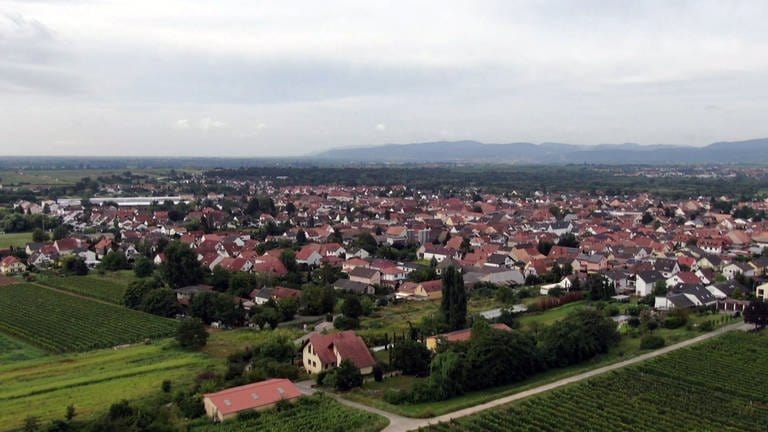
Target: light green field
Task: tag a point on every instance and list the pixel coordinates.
(89, 381)
(67, 177)
(109, 287)
(15, 239)
(12, 350)
(94, 380)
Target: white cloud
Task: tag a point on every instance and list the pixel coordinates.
(207, 123)
(181, 124)
(322, 73)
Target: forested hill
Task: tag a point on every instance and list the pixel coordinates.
(752, 151)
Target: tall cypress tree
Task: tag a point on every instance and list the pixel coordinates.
(454, 303)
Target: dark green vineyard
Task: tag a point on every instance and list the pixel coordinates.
(717, 386)
(58, 322)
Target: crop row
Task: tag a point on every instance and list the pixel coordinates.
(59, 322)
(716, 386)
(89, 286)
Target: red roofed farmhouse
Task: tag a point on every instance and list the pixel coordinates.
(324, 352)
(252, 397)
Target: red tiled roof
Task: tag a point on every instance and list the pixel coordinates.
(253, 396)
(466, 334)
(349, 345)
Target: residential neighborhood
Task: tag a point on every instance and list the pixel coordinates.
(368, 286)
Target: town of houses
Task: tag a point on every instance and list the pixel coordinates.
(702, 256)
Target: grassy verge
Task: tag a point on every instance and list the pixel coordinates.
(15, 239)
(90, 381)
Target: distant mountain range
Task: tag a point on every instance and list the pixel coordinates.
(752, 151)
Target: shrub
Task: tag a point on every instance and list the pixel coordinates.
(347, 376)
(378, 373)
(346, 323)
(651, 342)
(706, 326)
(675, 321)
(397, 397)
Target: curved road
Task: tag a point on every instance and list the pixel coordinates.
(399, 423)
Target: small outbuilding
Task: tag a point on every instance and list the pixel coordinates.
(258, 396)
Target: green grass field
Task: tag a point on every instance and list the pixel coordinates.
(15, 239)
(90, 381)
(316, 413)
(59, 322)
(110, 287)
(68, 177)
(551, 315)
(718, 385)
(12, 350)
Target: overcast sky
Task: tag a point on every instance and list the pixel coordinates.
(267, 78)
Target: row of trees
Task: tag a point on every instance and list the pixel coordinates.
(496, 357)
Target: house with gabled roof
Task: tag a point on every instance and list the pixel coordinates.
(426, 290)
(736, 268)
(326, 351)
(12, 265)
(645, 282)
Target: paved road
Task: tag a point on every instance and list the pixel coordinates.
(399, 423)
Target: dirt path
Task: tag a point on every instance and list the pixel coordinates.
(399, 423)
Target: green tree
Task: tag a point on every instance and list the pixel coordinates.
(502, 356)
(266, 314)
(181, 267)
(70, 413)
(219, 278)
(192, 334)
(31, 424)
(241, 284)
(288, 258)
(577, 337)
(135, 293)
(411, 357)
(756, 313)
(143, 267)
(60, 232)
(114, 260)
(317, 300)
(453, 306)
(74, 265)
(39, 236)
(160, 302)
(352, 307)
(366, 241)
(347, 376)
(448, 377)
